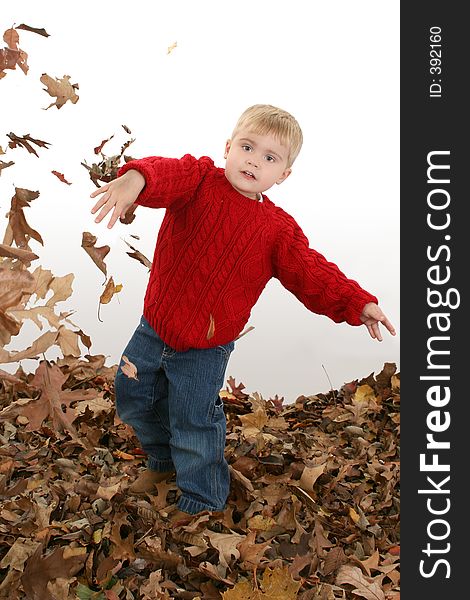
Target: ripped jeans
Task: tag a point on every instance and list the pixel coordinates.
(177, 414)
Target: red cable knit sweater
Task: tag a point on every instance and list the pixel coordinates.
(217, 249)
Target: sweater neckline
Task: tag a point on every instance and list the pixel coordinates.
(233, 194)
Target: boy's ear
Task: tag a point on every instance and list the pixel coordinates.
(284, 176)
(228, 143)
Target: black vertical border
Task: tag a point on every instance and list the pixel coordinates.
(434, 124)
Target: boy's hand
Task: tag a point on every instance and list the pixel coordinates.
(371, 316)
(119, 194)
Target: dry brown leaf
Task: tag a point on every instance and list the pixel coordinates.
(34, 313)
(171, 48)
(12, 55)
(97, 254)
(68, 342)
(5, 165)
(366, 587)
(61, 89)
(310, 475)
(61, 177)
(138, 255)
(26, 142)
(18, 230)
(276, 584)
(25, 256)
(226, 544)
(61, 288)
(40, 570)
(38, 347)
(39, 31)
(109, 291)
(129, 369)
(211, 330)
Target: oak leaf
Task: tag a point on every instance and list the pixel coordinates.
(61, 89)
(25, 256)
(61, 288)
(97, 254)
(129, 369)
(366, 587)
(40, 570)
(39, 346)
(276, 584)
(25, 141)
(18, 230)
(226, 544)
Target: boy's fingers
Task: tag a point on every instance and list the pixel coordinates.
(114, 218)
(100, 190)
(99, 204)
(388, 325)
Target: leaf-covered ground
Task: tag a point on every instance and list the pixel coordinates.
(313, 511)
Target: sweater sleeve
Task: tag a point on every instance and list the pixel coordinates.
(169, 182)
(317, 283)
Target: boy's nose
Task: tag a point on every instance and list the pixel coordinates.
(252, 162)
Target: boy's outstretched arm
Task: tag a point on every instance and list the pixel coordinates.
(118, 195)
(371, 316)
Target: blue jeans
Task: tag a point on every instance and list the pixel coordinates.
(177, 414)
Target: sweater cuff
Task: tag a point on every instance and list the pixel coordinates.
(356, 306)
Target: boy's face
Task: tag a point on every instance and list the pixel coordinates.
(255, 162)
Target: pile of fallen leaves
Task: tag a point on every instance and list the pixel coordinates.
(313, 511)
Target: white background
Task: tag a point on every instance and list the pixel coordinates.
(333, 65)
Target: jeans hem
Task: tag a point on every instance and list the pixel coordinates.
(193, 506)
(162, 466)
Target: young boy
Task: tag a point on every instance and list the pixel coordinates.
(220, 242)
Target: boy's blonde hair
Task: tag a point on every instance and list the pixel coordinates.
(267, 119)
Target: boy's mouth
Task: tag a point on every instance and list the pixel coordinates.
(248, 174)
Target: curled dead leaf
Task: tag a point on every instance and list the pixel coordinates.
(61, 89)
(128, 368)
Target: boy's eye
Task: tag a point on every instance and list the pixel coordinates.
(270, 158)
(246, 147)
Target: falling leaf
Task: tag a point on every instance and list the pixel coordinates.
(171, 48)
(138, 256)
(126, 129)
(61, 177)
(12, 55)
(25, 256)
(38, 347)
(99, 148)
(18, 230)
(108, 293)
(97, 254)
(5, 165)
(129, 369)
(61, 288)
(211, 330)
(68, 341)
(39, 31)
(61, 89)
(26, 142)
